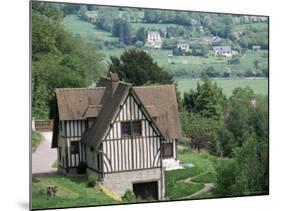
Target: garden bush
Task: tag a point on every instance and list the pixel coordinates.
(92, 180)
(129, 196)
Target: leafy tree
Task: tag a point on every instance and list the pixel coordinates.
(200, 50)
(226, 142)
(121, 29)
(208, 99)
(240, 108)
(234, 60)
(248, 172)
(176, 51)
(211, 72)
(70, 9)
(145, 70)
(226, 178)
(58, 59)
(141, 34)
(105, 18)
(257, 64)
(201, 130)
(83, 12)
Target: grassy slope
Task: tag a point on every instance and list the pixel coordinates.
(260, 86)
(244, 27)
(86, 30)
(202, 172)
(72, 191)
(194, 63)
(36, 140)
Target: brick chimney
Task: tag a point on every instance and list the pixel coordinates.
(114, 80)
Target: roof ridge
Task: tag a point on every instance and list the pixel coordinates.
(125, 83)
(79, 89)
(154, 86)
(94, 106)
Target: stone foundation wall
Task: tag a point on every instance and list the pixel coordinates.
(122, 181)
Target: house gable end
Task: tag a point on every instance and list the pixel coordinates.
(125, 153)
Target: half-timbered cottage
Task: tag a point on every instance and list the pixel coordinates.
(126, 134)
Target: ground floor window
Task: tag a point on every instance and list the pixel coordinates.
(167, 150)
(74, 147)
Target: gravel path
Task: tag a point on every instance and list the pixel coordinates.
(44, 156)
(207, 187)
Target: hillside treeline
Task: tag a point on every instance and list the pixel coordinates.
(59, 59)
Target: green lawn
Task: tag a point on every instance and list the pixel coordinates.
(72, 191)
(36, 140)
(178, 186)
(260, 86)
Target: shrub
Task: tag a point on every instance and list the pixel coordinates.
(92, 179)
(234, 60)
(82, 168)
(129, 196)
(139, 44)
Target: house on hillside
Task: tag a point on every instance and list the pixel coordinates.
(127, 135)
(183, 45)
(256, 47)
(216, 40)
(154, 40)
(222, 51)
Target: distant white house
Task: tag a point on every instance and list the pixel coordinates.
(183, 45)
(216, 40)
(154, 39)
(222, 51)
(256, 47)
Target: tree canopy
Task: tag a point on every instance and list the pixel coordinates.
(208, 99)
(137, 67)
(59, 59)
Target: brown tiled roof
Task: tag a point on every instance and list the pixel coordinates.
(161, 103)
(103, 102)
(92, 111)
(74, 102)
(94, 135)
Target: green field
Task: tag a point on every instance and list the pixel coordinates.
(260, 86)
(72, 191)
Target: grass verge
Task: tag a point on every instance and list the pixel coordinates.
(36, 140)
(72, 192)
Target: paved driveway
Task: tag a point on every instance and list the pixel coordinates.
(44, 156)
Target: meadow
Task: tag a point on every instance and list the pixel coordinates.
(86, 30)
(260, 85)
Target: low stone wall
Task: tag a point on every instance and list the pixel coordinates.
(43, 125)
(122, 181)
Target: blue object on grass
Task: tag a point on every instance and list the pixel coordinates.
(187, 165)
